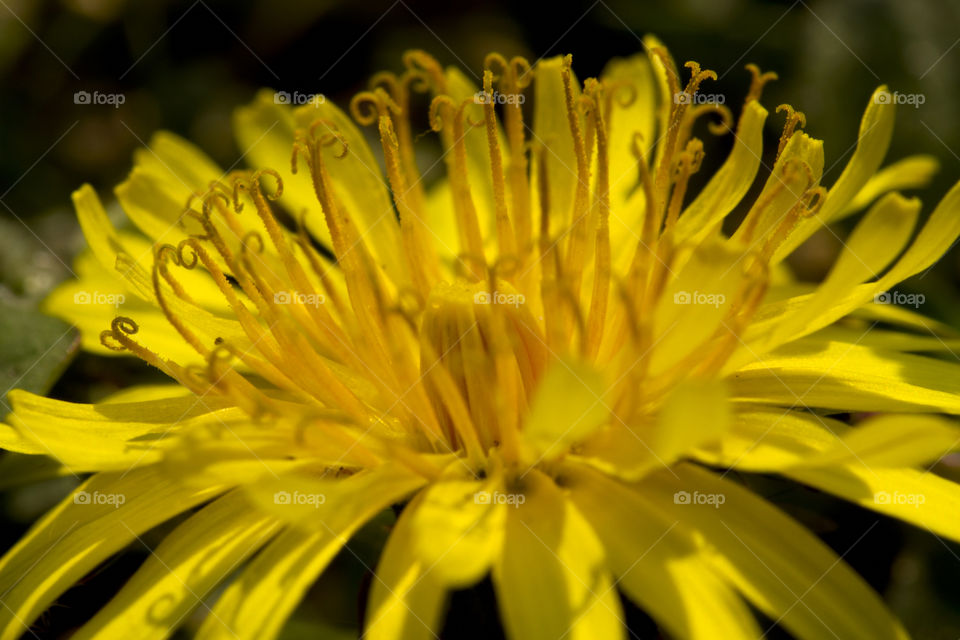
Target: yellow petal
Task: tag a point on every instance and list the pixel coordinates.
(567, 406)
(406, 597)
(920, 498)
(791, 443)
(876, 129)
(730, 183)
(551, 580)
(848, 377)
(767, 440)
(639, 116)
(913, 172)
(695, 303)
(178, 161)
(694, 413)
(936, 237)
(655, 564)
(873, 245)
(258, 603)
(87, 437)
(457, 527)
(778, 565)
(98, 519)
(892, 441)
(182, 571)
(551, 128)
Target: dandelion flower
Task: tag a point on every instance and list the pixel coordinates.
(547, 360)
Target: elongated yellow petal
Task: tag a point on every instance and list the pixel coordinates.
(730, 183)
(551, 580)
(876, 241)
(893, 441)
(633, 77)
(913, 172)
(567, 407)
(182, 571)
(98, 519)
(785, 571)
(656, 565)
(264, 596)
(876, 129)
(695, 303)
(552, 130)
(406, 597)
(457, 527)
(848, 377)
(87, 437)
(764, 439)
(791, 444)
(920, 498)
(694, 413)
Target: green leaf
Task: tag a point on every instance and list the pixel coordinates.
(35, 349)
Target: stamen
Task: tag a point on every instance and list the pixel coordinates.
(505, 233)
(515, 76)
(418, 249)
(117, 338)
(576, 245)
(794, 118)
(162, 254)
(602, 267)
(687, 164)
(452, 135)
(757, 82)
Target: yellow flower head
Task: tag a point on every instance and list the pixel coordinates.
(549, 355)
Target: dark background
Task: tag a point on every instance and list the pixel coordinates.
(184, 66)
